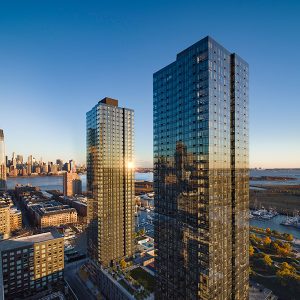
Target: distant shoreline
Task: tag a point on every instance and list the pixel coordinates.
(272, 178)
(57, 175)
(34, 176)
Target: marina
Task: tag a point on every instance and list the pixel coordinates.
(275, 223)
(263, 214)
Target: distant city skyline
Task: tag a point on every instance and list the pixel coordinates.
(58, 59)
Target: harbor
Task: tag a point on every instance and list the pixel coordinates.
(275, 223)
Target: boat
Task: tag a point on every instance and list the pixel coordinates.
(263, 214)
(292, 221)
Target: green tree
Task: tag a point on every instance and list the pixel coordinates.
(123, 263)
(268, 260)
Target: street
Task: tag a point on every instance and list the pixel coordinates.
(80, 289)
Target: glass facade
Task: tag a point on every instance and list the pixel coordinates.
(110, 181)
(2, 162)
(201, 174)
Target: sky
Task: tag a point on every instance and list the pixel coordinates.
(59, 58)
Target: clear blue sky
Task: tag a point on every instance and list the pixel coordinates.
(58, 58)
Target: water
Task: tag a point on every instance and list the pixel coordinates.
(293, 173)
(274, 224)
(56, 182)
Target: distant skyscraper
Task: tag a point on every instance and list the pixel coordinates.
(67, 167)
(14, 160)
(72, 165)
(19, 159)
(201, 179)
(60, 163)
(2, 162)
(110, 181)
(30, 160)
(29, 164)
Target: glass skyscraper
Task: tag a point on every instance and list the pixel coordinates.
(201, 179)
(2, 162)
(110, 182)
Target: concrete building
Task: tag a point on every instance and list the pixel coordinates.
(4, 220)
(110, 181)
(15, 219)
(78, 202)
(51, 213)
(10, 216)
(2, 162)
(201, 180)
(29, 264)
(72, 184)
(143, 187)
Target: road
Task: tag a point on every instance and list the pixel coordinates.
(80, 289)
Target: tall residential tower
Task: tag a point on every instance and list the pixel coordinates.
(110, 181)
(201, 178)
(2, 162)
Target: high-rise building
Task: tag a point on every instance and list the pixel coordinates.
(201, 181)
(14, 160)
(19, 159)
(72, 184)
(72, 165)
(60, 163)
(2, 162)
(110, 181)
(28, 264)
(67, 167)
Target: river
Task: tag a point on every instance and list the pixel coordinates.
(274, 224)
(56, 182)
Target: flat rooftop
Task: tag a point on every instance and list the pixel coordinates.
(28, 240)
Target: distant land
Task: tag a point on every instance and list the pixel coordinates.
(271, 178)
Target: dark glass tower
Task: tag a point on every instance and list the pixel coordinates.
(2, 162)
(201, 180)
(110, 181)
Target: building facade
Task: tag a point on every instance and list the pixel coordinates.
(4, 221)
(110, 181)
(30, 263)
(201, 180)
(10, 216)
(15, 219)
(2, 162)
(72, 184)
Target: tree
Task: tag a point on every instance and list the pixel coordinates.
(268, 230)
(123, 263)
(286, 270)
(290, 237)
(268, 260)
(267, 241)
(251, 250)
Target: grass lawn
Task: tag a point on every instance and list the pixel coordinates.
(144, 278)
(126, 286)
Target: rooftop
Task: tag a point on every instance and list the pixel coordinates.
(28, 240)
(109, 101)
(259, 292)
